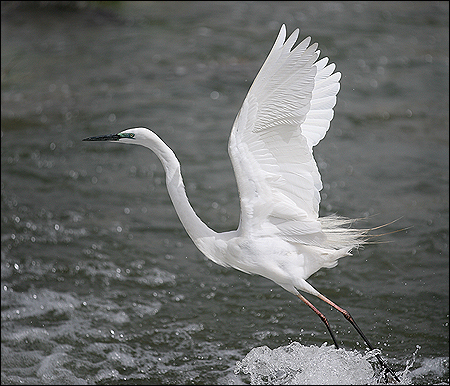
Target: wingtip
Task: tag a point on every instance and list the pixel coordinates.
(282, 33)
(294, 35)
(306, 41)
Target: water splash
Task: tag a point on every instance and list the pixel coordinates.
(296, 364)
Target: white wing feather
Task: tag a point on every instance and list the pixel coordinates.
(286, 112)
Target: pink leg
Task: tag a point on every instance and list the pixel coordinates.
(321, 316)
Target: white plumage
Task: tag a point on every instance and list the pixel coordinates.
(286, 112)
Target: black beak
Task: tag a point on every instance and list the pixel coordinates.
(110, 137)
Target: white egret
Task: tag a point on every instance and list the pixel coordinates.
(286, 112)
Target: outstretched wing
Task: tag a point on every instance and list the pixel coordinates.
(286, 112)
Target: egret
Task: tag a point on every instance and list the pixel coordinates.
(280, 236)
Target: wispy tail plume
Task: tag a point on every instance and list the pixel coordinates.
(340, 234)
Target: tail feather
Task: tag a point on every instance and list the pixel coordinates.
(340, 235)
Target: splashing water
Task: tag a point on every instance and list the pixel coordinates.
(296, 364)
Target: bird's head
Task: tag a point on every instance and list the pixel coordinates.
(135, 136)
(144, 137)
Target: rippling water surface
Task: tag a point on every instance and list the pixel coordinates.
(101, 284)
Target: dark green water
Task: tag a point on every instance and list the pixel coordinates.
(100, 282)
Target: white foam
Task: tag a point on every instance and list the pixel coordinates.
(296, 364)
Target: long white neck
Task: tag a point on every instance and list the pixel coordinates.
(194, 226)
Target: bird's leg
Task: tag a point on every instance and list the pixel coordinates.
(353, 323)
(321, 316)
